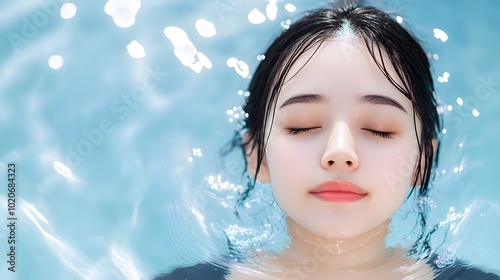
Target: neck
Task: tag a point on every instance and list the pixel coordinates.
(310, 250)
(314, 257)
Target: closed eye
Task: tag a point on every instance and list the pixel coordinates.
(297, 131)
(381, 134)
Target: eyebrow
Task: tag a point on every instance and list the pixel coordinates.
(368, 99)
(381, 100)
(304, 98)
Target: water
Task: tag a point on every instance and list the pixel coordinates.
(114, 146)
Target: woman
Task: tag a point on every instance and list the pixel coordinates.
(342, 123)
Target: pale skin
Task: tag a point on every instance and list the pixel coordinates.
(338, 118)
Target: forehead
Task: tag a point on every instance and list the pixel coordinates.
(341, 64)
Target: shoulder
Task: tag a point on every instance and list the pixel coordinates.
(461, 270)
(205, 271)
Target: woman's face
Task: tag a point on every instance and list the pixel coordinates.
(342, 146)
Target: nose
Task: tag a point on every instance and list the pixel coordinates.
(340, 151)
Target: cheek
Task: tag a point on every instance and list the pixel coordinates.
(287, 162)
(285, 155)
(281, 159)
(393, 165)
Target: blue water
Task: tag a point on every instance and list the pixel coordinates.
(114, 149)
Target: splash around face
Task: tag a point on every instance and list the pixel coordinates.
(339, 122)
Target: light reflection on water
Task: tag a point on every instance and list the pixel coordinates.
(113, 123)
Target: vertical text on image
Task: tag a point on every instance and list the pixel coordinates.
(11, 217)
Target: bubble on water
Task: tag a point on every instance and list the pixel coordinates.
(56, 62)
(424, 204)
(205, 28)
(271, 10)
(239, 66)
(244, 93)
(454, 220)
(286, 24)
(262, 223)
(136, 50)
(446, 258)
(197, 152)
(440, 34)
(68, 10)
(290, 8)
(223, 188)
(256, 17)
(444, 77)
(440, 109)
(123, 12)
(185, 50)
(236, 113)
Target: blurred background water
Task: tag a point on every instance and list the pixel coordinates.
(114, 111)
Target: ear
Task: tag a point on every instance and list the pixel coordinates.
(252, 160)
(422, 162)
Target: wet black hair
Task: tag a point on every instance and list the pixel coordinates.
(381, 34)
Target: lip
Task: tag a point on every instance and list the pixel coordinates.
(338, 191)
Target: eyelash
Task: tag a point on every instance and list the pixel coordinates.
(381, 134)
(297, 131)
